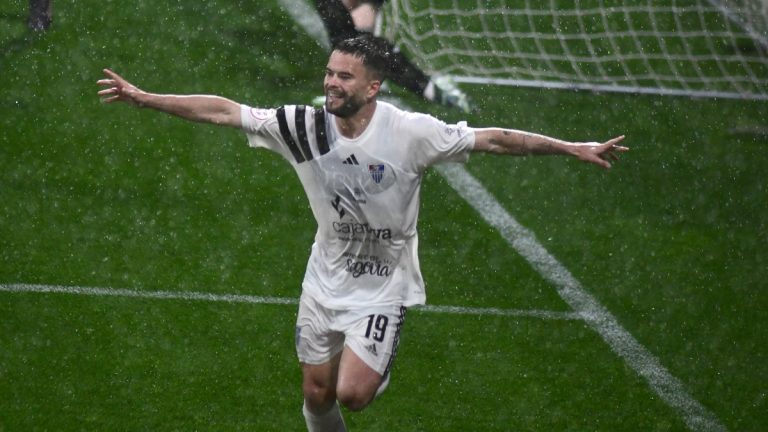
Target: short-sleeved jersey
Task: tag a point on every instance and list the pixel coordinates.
(364, 194)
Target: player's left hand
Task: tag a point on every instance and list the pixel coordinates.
(600, 154)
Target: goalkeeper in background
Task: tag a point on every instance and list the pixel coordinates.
(344, 19)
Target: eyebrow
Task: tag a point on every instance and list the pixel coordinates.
(339, 72)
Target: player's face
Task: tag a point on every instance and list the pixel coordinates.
(348, 85)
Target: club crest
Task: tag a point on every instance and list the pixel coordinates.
(377, 172)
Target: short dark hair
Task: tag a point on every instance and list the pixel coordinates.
(374, 51)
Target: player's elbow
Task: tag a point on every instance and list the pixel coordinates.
(496, 147)
(223, 112)
(492, 140)
(224, 118)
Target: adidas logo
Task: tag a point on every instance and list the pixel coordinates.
(351, 160)
(372, 349)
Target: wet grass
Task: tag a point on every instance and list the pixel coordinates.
(672, 241)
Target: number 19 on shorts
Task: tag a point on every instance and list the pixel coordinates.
(377, 327)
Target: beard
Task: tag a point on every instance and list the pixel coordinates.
(350, 105)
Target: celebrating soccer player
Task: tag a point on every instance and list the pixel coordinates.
(361, 162)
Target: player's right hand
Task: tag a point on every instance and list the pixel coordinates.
(118, 89)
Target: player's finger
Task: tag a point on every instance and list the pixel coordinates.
(599, 159)
(113, 75)
(607, 157)
(110, 99)
(109, 91)
(613, 144)
(619, 148)
(108, 82)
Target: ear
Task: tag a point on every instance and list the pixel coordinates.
(373, 88)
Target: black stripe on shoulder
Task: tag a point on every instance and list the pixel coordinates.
(320, 134)
(301, 131)
(287, 137)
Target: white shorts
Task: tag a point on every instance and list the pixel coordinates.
(372, 334)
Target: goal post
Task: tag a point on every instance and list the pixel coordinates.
(704, 48)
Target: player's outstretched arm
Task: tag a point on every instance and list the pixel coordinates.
(514, 142)
(200, 108)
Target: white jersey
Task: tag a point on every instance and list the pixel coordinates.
(364, 194)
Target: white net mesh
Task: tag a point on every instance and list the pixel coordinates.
(694, 47)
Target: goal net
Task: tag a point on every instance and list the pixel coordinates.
(678, 47)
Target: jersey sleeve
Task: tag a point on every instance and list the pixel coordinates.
(297, 132)
(440, 142)
(262, 129)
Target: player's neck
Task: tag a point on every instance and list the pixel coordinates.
(354, 126)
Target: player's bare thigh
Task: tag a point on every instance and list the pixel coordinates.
(357, 382)
(346, 378)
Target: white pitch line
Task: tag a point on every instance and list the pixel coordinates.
(169, 295)
(521, 313)
(669, 388)
(267, 300)
(308, 19)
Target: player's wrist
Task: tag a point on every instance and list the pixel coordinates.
(569, 148)
(141, 98)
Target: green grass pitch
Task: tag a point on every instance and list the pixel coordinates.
(672, 241)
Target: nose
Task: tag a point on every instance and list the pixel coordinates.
(330, 81)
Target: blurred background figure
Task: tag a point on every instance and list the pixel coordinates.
(344, 19)
(40, 14)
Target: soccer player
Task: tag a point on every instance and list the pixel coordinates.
(344, 19)
(361, 162)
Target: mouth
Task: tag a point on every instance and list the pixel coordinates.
(332, 96)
